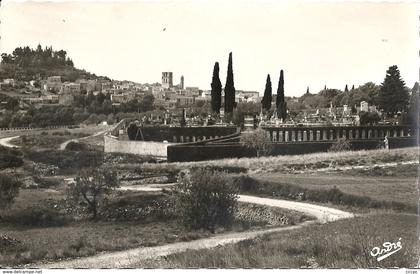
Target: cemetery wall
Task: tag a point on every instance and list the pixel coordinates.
(214, 150)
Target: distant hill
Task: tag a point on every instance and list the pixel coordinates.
(27, 64)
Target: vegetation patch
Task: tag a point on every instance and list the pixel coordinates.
(67, 160)
(342, 244)
(10, 157)
(333, 195)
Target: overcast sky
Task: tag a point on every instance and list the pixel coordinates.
(316, 44)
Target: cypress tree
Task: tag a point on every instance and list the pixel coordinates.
(393, 95)
(346, 89)
(266, 101)
(229, 88)
(307, 90)
(216, 90)
(280, 103)
(352, 88)
(325, 87)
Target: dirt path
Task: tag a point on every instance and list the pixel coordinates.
(129, 257)
(64, 144)
(5, 141)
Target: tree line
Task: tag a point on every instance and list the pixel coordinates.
(392, 96)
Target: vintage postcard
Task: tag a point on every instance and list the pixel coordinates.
(209, 134)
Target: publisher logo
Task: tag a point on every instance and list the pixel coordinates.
(386, 250)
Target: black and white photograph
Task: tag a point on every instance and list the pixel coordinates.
(199, 134)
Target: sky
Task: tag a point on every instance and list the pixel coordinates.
(315, 43)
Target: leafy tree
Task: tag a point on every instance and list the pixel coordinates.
(393, 96)
(205, 199)
(216, 90)
(91, 186)
(280, 102)
(9, 190)
(258, 141)
(229, 88)
(412, 115)
(266, 100)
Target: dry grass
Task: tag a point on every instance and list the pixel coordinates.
(397, 189)
(342, 244)
(301, 162)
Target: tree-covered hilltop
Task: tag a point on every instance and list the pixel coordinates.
(27, 64)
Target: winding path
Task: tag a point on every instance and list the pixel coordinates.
(64, 144)
(130, 257)
(5, 141)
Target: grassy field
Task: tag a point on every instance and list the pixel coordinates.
(396, 188)
(46, 231)
(342, 244)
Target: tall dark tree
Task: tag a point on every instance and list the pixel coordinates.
(346, 89)
(216, 90)
(229, 88)
(393, 95)
(325, 87)
(352, 88)
(266, 100)
(307, 90)
(280, 102)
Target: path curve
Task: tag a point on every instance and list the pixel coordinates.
(5, 141)
(130, 257)
(64, 144)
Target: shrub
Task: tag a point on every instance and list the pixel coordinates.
(66, 159)
(10, 158)
(39, 216)
(257, 140)
(205, 199)
(246, 184)
(340, 145)
(9, 190)
(76, 146)
(228, 169)
(46, 182)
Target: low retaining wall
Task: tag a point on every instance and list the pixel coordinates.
(156, 149)
(211, 151)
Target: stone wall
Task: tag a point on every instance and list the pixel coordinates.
(157, 149)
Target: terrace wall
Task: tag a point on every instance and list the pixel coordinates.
(156, 149)
(220, 150)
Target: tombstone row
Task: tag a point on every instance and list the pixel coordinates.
(296, 135)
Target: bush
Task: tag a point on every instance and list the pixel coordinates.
(340, 145)
(10, 158)
(66, 159)
(246, 184)
(205, 199)
(38, 216)
(9, 190)
(228, 169)
(257, 140)
(76, 146)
